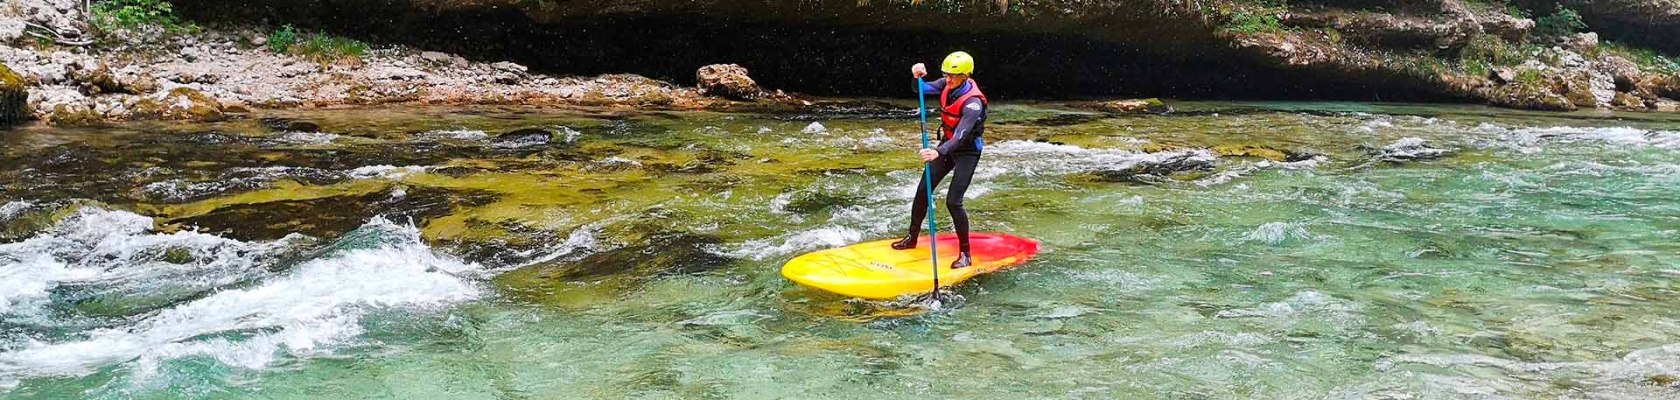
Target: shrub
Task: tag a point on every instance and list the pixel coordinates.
(282, 39)
(111, 15)
(1561, 23)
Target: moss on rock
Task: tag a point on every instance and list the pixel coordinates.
(14, 97)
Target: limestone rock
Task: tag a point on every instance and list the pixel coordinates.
(183, 104)
(509, 67)
(1629, 101)
(1150, 105)
(1624, 72)
(1661, 85)
(728, 80)
(1582, 42)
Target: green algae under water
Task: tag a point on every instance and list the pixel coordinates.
(1383, 251)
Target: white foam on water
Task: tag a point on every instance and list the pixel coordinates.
(825, 237)
(583, 238)
(310, 308)
(385, 171)
(1528, 139)
(616, 161)
(456, 134)
(30, 269)
(1115, 278)
(12, 208)
(726, 318)
(1274, 233)
(571, 134)
(814, 128)
(1037, 158)
(1627, 377)
(309, 137)
(1302, 304)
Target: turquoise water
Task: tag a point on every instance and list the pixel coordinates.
(1388, 251)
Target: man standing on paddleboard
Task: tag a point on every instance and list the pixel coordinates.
(962, 117)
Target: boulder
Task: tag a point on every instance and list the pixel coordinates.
(289, 125)
(1582, 42)
(1150, 105)
(729, 81)
(1528, 97)
(74, 114)
(1507, 27)
(1625, 73)
(1660, 85)
(14, 97)
(509, 67)
(524, 137)
(1629, 101)
(183, 104)
(11, 30)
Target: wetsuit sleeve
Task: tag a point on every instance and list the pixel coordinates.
(973, 111)
(934, 86)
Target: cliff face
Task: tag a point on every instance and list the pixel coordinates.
(1646, 23)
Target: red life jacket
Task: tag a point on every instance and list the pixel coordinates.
(950, 112)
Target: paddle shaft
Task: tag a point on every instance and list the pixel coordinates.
(927, 176)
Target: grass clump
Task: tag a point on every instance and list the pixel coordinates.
(1492, 51)
(1529, 77)
(320, 47)
(1252, 21)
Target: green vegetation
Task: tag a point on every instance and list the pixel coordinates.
(1647, 59)
(1559, 24)
(320, 47)
(1254, 21)
(111, 15)
(282, 39)
(1477, 68)
(1530, 77)
(1487, 51)
(1516, 12)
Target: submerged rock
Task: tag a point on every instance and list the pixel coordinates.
(666, 252)
(14, 97)
(1407, 149)
(1151, 105)
(1244, 150)
(289, 125)
(185, 104)
(329, 216)
(1154, 171)
(728, 80)
(524, 137)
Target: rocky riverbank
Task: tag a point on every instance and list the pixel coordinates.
(58, 70)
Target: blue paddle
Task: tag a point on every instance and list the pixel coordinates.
(927, 176)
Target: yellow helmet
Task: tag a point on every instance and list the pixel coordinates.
(958, 63)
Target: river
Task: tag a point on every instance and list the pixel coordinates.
(1227, 250)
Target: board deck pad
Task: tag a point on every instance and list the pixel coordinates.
(874, 270)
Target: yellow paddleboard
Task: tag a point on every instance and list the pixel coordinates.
(874, 270)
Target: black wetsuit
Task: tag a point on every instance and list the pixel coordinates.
(959, 153)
